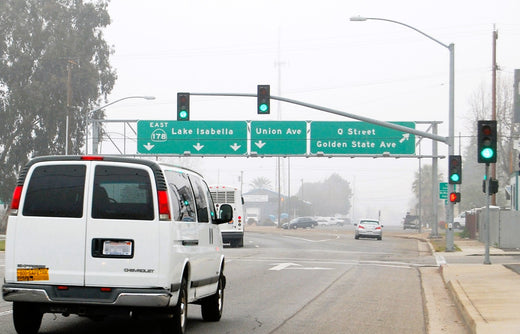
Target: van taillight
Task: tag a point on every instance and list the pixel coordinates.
(15, 202)
(164, 206)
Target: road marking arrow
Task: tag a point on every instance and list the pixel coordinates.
(260, 144)
(235, 146)
(198, 147)
(406, 136)
(148, 146)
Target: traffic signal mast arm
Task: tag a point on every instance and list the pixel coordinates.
(340, 113)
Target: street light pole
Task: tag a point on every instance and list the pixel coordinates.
(95, 123)
(451, 123)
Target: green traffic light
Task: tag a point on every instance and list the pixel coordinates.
(263, 107)
(455, 177)
(487, 153)
(183, 114)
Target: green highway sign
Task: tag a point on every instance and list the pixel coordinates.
(192, 137)
(443, 190)
(279, 137)
(360, 138)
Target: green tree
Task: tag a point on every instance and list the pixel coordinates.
(41, 42)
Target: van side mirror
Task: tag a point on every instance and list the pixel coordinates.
(225, 214)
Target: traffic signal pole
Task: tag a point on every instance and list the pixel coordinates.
(487, 224)
(340, 113)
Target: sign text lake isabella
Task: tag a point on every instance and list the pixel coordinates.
(194, 137)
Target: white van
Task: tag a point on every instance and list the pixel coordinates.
(232, 232)
(97, 235)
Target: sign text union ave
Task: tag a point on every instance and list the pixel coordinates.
(279, 137)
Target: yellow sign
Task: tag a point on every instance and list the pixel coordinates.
(35, 274)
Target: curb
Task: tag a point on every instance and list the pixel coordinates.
(457, 294)
(461, 300)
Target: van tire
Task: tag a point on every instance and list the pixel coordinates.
(27, 318)
(176, 322)
(212, 306)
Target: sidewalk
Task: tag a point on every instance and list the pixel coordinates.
(488, 296)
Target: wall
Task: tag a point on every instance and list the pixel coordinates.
(504, 228)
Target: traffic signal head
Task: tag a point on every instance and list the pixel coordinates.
(263, 97)
(487, 141)
(493, 186)
(183, 106)
(455, 169)
(454, 197)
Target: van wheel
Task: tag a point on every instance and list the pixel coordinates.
(27, 318)
(176, 322)
(212, 306)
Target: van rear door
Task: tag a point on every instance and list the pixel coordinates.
(122, 236)
(50, 229)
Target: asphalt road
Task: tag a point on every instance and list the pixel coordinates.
(304, 281)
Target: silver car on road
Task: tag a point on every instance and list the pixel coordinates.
(368, 228)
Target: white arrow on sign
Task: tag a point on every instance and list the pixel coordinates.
(295, 266)
(260, 144)
(406, 136)
(235, 146)
(148, 146)
(198, 147)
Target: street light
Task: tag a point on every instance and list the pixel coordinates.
(451, 120)
(89, 120)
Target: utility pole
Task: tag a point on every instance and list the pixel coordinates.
(494, 103)
(70, 62)
(69, 98)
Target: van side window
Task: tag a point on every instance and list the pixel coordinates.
(122, 193)
(201, 195)
(56, 191)
(211, 204)
(183, 203)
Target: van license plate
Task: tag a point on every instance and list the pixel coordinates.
(33, 274)
(117, 248)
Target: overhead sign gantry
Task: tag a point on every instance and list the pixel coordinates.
(272, 138)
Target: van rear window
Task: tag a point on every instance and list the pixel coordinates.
(56, 191)
(122, 193)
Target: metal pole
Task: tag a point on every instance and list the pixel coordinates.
(95, 124)
(494, 102)
(451, 147)
(435, 186)
(487, 224)
(340, 113)
(69, 98)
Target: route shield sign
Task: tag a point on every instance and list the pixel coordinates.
(193, 137)
(360, 138)
(279, 137)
